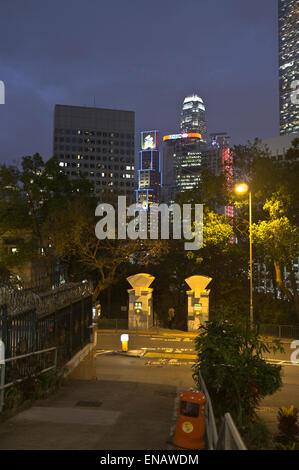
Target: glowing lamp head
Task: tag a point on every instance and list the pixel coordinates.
(241, 188)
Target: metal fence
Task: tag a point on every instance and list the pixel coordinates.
(229, 436)
(113, 323)
(67, 327)
(210, 427)
(280, 331)
(19, 368)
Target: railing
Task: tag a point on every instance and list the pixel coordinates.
(210, 428)
(18, 301)
(25, 366)
(229, 436)
(113, 323)
(280, 331)
(66, 328)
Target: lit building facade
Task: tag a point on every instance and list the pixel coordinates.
(288, 16)
(219, 159)
(99, 144)
(193, 116)
(182, 163)
(149, 172)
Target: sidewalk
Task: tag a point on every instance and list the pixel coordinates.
(109, 403)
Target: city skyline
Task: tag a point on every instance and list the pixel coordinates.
(116, 70)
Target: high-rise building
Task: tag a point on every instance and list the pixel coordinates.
(278, 147)
(219, 159)
(99, 144)
(182, 163)
(193, 116)
(149, 172)
(288, 15)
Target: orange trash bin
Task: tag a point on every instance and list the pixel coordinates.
(190, 427)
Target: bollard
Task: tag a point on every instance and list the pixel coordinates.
(124, 338)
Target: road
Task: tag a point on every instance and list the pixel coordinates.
(174, 345)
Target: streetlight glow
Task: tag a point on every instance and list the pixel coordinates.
(241, 188)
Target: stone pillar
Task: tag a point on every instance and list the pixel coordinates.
(140, 316)
(198, 301)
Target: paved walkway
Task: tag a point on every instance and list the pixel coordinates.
(110, 402)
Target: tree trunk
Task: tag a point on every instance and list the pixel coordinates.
(109, 300)
(294, 289)
(280, 282)
(96, 291)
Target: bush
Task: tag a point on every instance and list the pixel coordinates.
(256, 435)
(237, 377)
(286, 438)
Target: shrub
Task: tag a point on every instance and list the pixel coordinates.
(286, 438)
(236, 375)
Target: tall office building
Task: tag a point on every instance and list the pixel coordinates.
(278, 147)
(182, 163)
(288, 15)
(193, 116)
(149, 172)
(219, 159)
(99, 144)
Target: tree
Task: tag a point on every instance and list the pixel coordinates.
(275, 196)
(27, 194)
(277, 239)
(71, 228)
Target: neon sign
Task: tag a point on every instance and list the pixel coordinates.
(182, 136)
(149, 140)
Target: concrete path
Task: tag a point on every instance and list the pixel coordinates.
(110, 402)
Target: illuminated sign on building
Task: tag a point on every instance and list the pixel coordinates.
(149, 140)
(182, 136)
(197, 307)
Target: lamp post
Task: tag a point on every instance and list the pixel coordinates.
(243, 188)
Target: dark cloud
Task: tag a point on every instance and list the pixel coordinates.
(139, 55)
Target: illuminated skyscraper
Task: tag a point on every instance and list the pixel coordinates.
(220, 160)
(193, 116)
(288, 65)
(182, 163)
(149, 173)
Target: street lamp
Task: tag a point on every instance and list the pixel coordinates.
(243, 188)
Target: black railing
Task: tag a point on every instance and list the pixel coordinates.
(280, 331)
(113, 323)
(67, 328)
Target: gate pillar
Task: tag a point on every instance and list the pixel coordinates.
(140, 316)
(198, 301)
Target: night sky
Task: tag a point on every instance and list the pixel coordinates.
(137, 55)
